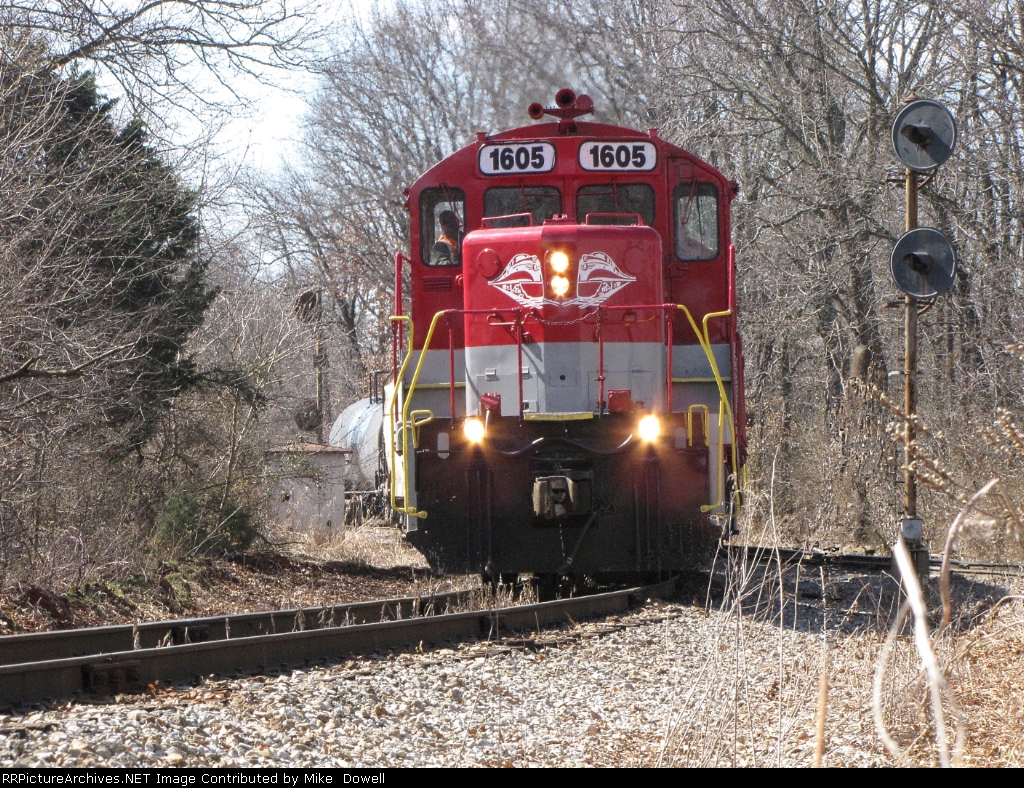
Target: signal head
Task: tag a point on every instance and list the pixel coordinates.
(923, 264)
(923, 135)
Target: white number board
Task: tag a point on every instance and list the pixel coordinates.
(516, 158)
(614, 156)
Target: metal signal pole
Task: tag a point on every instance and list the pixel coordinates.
(923, 265)
(910, 367)
(912, 530)
(318, 366)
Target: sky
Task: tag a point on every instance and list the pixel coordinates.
(262, 130)
(270, 134)
(267, 134)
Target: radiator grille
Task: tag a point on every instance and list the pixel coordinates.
(437, 284)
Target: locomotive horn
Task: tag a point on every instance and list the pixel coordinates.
(535, 110)
(565, 98)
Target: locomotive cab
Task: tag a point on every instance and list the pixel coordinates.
(567, 389)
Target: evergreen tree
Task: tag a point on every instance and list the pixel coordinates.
(101, 268)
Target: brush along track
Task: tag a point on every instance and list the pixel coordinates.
(873, 563)
(353, 630)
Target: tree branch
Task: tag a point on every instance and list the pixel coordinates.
(26, 370)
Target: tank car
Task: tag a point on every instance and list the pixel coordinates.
(567, 391)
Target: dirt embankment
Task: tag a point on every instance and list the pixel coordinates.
(231, 584)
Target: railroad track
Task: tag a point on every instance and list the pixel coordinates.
(66, 643)
(874, 563)
(113, 659)
(110, 660)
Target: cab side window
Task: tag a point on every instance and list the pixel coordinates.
(442, 225)
(637, 198)
(510, 204)
(696, 221)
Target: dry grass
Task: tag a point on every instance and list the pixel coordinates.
(985, 669)
(378, 544)
(207, 587)
(367, 562)
(754, 690)
(759, 692)
(374, 543)
(786, 676)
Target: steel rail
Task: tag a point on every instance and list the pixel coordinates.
(871, 562)
(132, 670)
(65, 643)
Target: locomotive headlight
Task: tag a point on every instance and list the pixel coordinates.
(649, 428)
(559, 285)
(473, 429)
(559, 262)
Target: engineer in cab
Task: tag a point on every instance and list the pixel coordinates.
(446, 250)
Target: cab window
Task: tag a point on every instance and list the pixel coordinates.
(636, 198)
(696, 221)
(442, 225)
(542, 202)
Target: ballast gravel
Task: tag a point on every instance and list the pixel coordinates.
(667, 683)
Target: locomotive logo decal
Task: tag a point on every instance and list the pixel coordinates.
(598, 279)
(522, 280)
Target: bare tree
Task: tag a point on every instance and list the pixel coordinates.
(157, 48)
(794, 100)
(401, 91)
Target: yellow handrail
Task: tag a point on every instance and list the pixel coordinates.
(705, 342)
(725, 409)
(416, 424)
(689, 422)
(393, 414)
(719, 464)
(412, 511)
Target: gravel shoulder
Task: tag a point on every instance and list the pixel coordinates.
(598, 701)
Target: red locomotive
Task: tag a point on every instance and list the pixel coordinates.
(568, 388)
